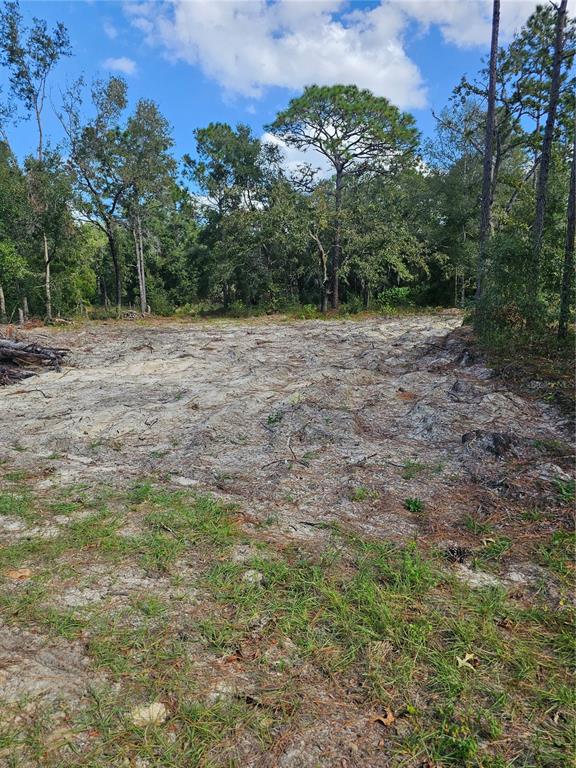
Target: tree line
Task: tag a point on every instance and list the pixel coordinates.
(481, 215)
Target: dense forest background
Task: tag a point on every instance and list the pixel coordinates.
(480, 216)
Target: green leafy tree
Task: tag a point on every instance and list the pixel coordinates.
(96, 150)
(149, 170)
(356, 132)
(14, 235)
(30, 55)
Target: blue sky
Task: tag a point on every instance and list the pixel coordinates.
(242, 60)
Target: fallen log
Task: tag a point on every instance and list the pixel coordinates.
(23, 353)
(10, 375)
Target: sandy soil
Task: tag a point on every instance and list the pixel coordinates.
(286, 417)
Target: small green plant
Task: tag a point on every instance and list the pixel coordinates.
(275, 418)
(476, 526)
(309, 312)
(494, 549)
(414, 505)
(17, 504)
(412, 469)
(362, 494)
(533, 515)
(565, 490)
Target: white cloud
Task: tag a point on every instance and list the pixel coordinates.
(467, 23)
(248, 46)
(109, 29)
(122, 64)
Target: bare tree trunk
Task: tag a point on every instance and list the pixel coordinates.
(47, 287)
(336, 255)
(25, 307)
(567, 289)
(143, 300)
(3, 317)
(323, 299)
(137, 251)
(116, 262)
(486, 205)
(546, 154)
(324, 269)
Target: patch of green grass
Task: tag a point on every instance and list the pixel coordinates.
(65, 507)
(557, 448)
(17, 504)
(219, 634)
(275, 418)
(533, 515)
(558, 554)
(566, 490)
(195, 518)
(475, 525)
(27, 605)
(474, 679)
(412, 469)
(414, 505)
(494, 549)
(16, 476)
(362, 494)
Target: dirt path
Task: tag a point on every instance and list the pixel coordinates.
(392, 428)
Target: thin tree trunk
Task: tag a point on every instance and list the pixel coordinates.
(115, 261)
(567, 289)
(143, 300)
(546, 154)
(323, 299)
(3, 317)
(138, 263)
(366, 295)
(486, 205)
(47, 287)
(324, 271)
(336, 255)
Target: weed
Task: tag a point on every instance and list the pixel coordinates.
(362, 494)
(412, 469)
(558, 554)
(17, 504)
(476, 526)
(414, 505)
(275, 418)
(565, 490)
(495, 549)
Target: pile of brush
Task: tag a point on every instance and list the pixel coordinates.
(21, 359)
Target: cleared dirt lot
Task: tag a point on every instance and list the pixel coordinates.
(287, 418)
(393, 430)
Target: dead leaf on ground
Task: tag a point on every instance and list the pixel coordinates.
(19, 574)
(387, 719)
(150, 714)
(465, 661)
